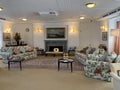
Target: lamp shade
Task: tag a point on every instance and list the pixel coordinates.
(115, 32)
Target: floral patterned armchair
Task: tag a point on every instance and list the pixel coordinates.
(97, 69)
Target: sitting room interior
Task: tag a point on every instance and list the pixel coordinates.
(61, 44)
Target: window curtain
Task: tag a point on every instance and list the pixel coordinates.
(117, 40)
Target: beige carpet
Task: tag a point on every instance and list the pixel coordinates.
(49, 79)
(48, 62)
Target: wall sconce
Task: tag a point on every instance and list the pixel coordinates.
(38, 30)
(7, 30)
(103, 29)
(72, 29)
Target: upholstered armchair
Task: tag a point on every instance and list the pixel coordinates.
(116, 79)
(97, 69)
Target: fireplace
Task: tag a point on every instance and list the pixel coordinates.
(51, 45)
(56, 48)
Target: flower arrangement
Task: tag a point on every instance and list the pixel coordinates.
(17, 37)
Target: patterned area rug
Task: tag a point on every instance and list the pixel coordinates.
(49, 62)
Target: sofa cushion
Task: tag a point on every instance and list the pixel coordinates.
(22, 49)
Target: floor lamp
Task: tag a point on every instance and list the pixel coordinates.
(116, 32)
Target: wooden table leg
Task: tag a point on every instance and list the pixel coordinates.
(71, 67)
(20, 65)
(8, 65)
(58, 65)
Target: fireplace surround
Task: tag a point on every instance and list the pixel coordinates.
(51, 44)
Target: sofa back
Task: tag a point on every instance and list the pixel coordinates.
(17, 49)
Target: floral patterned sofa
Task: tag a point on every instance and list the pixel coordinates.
(98, 69)
(98, 65)
(25, 52)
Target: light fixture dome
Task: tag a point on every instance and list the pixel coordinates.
(90, 5)
(24, 19)
(1, 9)
(82, 17)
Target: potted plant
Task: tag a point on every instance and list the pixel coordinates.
(17, 37)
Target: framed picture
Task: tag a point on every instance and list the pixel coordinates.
(6, 36)
(104, 36)
(55, 33)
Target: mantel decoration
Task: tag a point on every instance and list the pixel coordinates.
(17, 37)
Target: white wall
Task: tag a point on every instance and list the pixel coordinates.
(38, 36)
(79, 34)
(1, 36)
(90, 34)
(21, 28)
(105, 23)
(72, 37)
(6, 28)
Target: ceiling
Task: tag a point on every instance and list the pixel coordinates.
(14, 10)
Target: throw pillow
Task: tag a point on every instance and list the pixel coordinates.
(28, 48)
(85, 49)
(10, 50)
(88, 50)
(92, 50)
(117, 59)
(22, 49)
(16, 50)
(101, 51)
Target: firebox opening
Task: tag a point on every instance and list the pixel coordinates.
(51, 48)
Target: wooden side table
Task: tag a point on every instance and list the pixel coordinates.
(40, 51)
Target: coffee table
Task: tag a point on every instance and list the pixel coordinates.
(17, 59)
(67, 61)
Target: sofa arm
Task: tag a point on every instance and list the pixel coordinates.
(5, 54)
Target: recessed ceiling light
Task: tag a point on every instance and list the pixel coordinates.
(1, 8)
(90, 5)
(24, 19)
(82, 17)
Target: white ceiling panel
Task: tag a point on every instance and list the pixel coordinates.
(67, 9)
